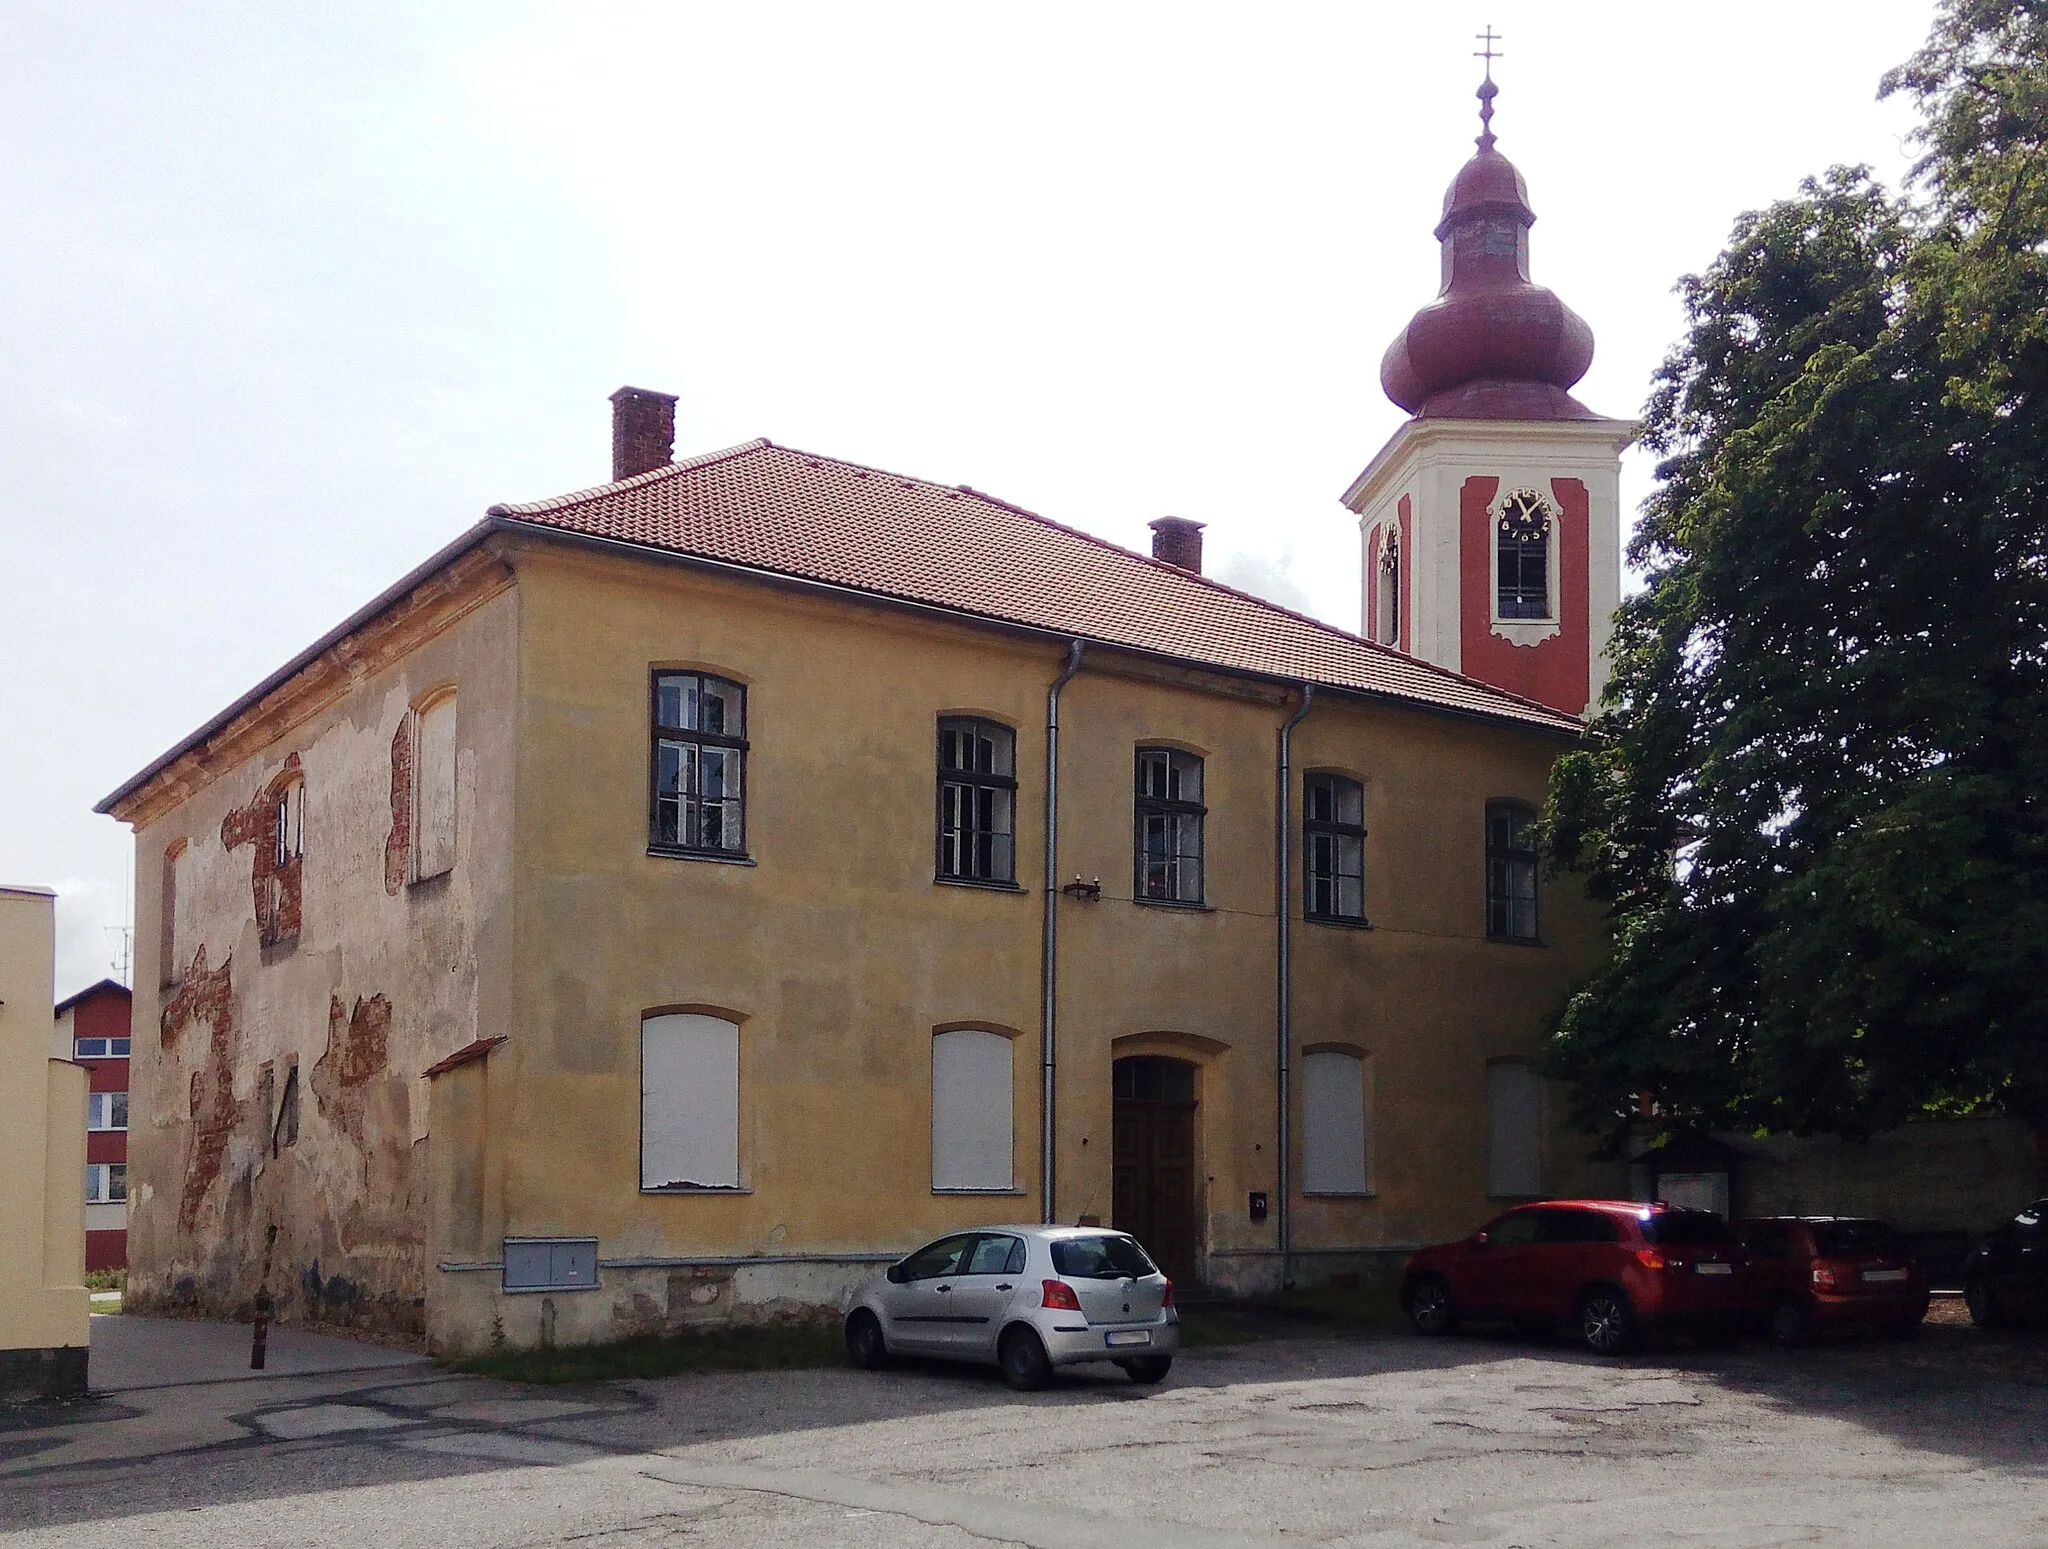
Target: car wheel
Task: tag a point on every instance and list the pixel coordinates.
(1430, 1307)
(1026, 1367)
(1791, 1323)
(864, 1342)
(1982, 1302)
(1149, 1369)
(1606, 1322)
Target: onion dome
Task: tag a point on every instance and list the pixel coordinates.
(1492, 345)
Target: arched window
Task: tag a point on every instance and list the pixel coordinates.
(1387, 626)
(977, 801)
(972, 1126)
(1522, 557)
(1510, 871)
(689, 1103)
(1169, 826)
(700, 747)
(1333, 848)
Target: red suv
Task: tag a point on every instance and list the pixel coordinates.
(1605, 1269)
(1834, 1272)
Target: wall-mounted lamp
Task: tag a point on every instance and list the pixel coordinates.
(1092, 891)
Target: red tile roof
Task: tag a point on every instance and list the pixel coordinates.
(775, 509)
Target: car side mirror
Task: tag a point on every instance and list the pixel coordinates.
(898, 1273)
(1481, 1240)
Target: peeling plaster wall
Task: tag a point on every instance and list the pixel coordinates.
(280, 1118)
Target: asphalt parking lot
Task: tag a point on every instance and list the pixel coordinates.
(1364, 1440)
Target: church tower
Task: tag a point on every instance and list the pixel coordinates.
(1492, 519)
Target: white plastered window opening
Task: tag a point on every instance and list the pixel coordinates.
(1514, 1130)
(689, 1103)
(1333, 1123)
(433, 784)
(973, 1112)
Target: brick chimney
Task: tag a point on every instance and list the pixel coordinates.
(643, 431)
(1178, 541)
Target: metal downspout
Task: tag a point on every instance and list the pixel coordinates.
(1283, 1030)
(1048, 1026)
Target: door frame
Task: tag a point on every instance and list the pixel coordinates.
(1206, 1056)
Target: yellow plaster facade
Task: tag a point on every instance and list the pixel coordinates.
(389, 1197)
(44, 1320)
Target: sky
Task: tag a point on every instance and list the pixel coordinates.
(290, 294)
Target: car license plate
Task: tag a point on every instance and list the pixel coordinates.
(1131, 1336)
(1873, 1275)
(1714, 1269)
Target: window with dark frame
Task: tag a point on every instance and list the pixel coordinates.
(1510, 871)
(977, 825)
(1522, 563)
(1169, 827)
(1333, 848)
(699, 773)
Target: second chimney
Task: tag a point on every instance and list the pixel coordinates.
(643, 431)
(1178, 541)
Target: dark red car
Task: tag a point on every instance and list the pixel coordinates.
(1603, 1269)
(1833, 1272)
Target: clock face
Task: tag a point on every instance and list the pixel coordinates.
(1525, 516)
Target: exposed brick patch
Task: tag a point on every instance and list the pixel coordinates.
(207, 995)
(398, 844)
(275, 886)
(358, 1051)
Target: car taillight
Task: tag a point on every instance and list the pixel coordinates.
(1650, 1258)
(1824, 1275)
(1057, 1293)
(1167, 1299)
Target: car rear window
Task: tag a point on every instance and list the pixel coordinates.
(1688, 1229)
(1100, 1258)
(1856, 1237)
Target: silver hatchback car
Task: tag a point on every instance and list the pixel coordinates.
(1027, 1298)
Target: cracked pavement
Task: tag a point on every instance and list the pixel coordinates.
(1363, 1441)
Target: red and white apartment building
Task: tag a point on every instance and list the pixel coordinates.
(93, 1029)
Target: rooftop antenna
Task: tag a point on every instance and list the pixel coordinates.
(1487, 90)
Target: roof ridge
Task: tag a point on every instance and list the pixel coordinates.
(652, 476)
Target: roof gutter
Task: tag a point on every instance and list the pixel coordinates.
(1048, 971)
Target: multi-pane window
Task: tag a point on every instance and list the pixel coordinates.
(106, 1110)
(1522, 557)
(106, 1183)
(977, 801)
(1169, 826)
(700, 744)
(1510, 871)
(1333, 848)
(99, 1048)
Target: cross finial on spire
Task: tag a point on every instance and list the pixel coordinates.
(1487, 90)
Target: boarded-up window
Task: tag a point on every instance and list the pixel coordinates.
(1514, 1130)
(971, 1110)
(168, 966)
(689, 1102)
(433, 807)
(1332, 1123)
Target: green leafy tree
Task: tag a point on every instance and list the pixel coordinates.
(1819, 808)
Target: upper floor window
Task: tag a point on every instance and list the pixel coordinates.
(433, 786)
(99, 1048)
(288, 825)
(977, 801)
(1522, 557)
(1168, 826)
(106, 1183)
(1510, 871)
(106, 1110)
(700, 743)
(1333, 848)
(1387, 626)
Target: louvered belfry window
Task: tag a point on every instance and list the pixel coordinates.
(1522, 562)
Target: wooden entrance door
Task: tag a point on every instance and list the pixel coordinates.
(1154, 1154)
